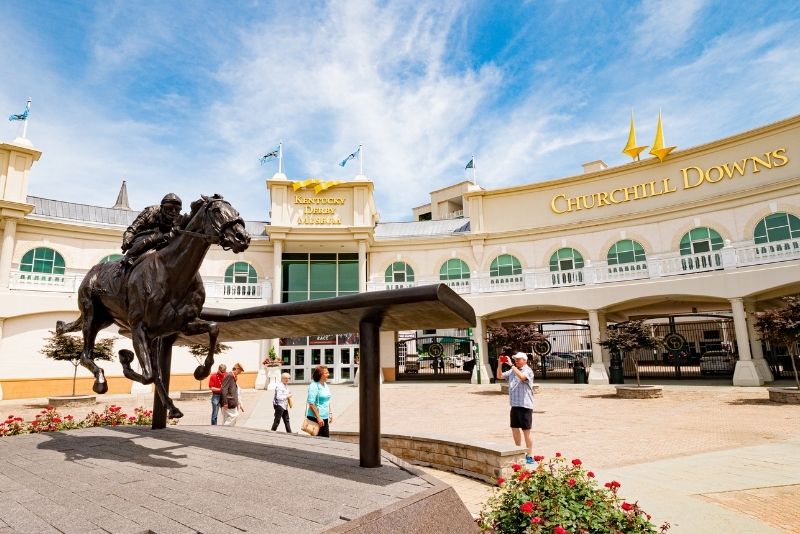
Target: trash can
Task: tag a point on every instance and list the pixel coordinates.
(579, 373)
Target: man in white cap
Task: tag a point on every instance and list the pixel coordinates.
(520, 392)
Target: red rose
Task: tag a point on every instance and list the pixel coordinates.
(648, 516)
(576, 462)
(626, 506)
(524, 475)
(516, 467)
(536, 520)
(558, 455)
(500, 481)
(559, 530)
(526, 508)
(56, 419)
(571, 482)
(590, 474)
(589, 502)
(538, 458)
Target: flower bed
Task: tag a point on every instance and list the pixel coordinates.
(561, 497)
(49, 420)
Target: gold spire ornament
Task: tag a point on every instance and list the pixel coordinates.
(659, 150)
(631, 149)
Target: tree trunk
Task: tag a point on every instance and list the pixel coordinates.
(74, 376)
(792, 350)
(636, 366)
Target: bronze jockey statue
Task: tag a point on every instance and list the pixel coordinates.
(152, 228)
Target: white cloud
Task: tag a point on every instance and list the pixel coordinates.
(666, 26)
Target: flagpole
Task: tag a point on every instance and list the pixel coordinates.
(25, 126)
(280, 157)
(361, 159)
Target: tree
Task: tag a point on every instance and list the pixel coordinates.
(200, 353)
(625, 338)
(782, 326)
(519, 337)
(67, 348)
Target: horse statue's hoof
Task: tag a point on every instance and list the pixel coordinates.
(201, 372)
(59, 327)
(125, 357)
(100, 387)
(174, 413)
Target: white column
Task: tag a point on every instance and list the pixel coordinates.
(745, 373)
(6, 252)
(597, 328)
(482, 373)
(362, 266)
(277, 271)
(2, 320)
(762, 368)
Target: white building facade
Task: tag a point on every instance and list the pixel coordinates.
(711, 234)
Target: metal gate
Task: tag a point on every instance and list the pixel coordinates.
(779, 361)
(434, 358)
(703, 348)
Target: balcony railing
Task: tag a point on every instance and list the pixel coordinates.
(225, 290)
(728, 257)
(60, 283)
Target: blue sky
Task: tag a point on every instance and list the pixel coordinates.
(185, 96)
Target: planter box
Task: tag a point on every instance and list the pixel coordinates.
(504, 389)
(784, 395)
(639, 392)
(199, 394)
(76, 400)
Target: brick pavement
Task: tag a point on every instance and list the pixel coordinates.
(690, 427)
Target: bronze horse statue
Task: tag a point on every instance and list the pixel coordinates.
(158, 298)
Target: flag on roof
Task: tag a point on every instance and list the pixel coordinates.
(22, 116)
(354, 155)
(269, 156)
(471, 164)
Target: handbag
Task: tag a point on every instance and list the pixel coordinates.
(290, 402)
(309, 427)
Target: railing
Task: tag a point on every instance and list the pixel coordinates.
(768, 252)
(692, 263)
(60, 283)
(383, 286)
(454, 214)
(225, 290)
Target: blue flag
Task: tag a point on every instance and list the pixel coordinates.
(354, 155)
(470, 165)
(269, 156)
(22, 116)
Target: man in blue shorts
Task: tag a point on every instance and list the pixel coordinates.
(520, 392)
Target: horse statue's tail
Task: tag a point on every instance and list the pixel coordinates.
(74, 326)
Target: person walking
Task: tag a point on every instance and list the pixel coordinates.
(319, 401)
(231, 405)
(215, 385)
(520, 393)
(281, 403)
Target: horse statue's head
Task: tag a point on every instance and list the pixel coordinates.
(215, 218)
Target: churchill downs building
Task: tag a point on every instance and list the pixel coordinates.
(694, 244)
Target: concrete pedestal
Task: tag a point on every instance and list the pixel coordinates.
(598, 374)
(745, 374)
(273, 377)
(762, 369)
(261, 379)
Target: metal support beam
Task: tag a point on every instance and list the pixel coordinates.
(369, 392)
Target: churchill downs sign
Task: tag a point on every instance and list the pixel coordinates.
(690, 178)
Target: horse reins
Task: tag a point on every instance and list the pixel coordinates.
(219, 229)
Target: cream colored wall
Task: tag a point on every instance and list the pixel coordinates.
(529, 207)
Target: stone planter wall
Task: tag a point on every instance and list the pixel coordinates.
(504, 389)
(639, 392)
(199, 394)
(784, 395)
(77, 400)
(478, 459)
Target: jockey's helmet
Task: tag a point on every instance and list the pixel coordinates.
(171, 198)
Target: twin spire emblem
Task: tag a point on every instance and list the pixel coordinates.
(658, 149)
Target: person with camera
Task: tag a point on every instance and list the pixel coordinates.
(520, 392)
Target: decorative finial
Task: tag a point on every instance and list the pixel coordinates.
(631, 149)
(659, 150)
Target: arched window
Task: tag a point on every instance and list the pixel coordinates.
(566, 259)
(110, 258)
(399, 271)
(777, 227)
(626, 251)
(454, 269)
(505, 265)
(241, 272)
(42, 260)
(700, 240)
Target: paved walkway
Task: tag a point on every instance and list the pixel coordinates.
(705, 458)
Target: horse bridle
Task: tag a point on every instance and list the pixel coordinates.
(219, 229)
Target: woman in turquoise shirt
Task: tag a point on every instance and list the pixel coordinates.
(319, 401)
